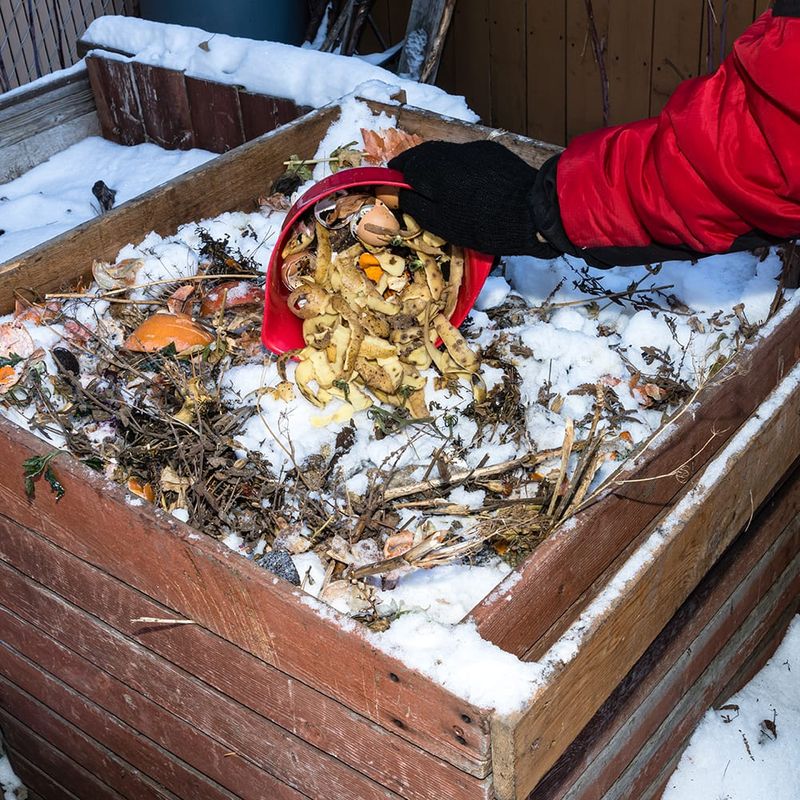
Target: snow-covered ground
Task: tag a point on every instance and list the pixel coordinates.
(749, 750)
(57, 195)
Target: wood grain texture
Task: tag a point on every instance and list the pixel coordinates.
(472, 56)
(132, 726)
(507, 47)
(781, 603)
(432, 126)
(241, 679)
(25, 721)
(546, 67)
(628, 59)
(283, 758)
(215, 114)
(117, 100)
(584, 96)
(39, 784)
(527, 617)
(258, 114)
(526, 746)
(235, 599)
(165, 106)
(679, 655)
(676, 36)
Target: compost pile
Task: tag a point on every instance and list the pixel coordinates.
(374, 297)
(427, 456)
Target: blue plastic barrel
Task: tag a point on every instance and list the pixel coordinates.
(273, 20)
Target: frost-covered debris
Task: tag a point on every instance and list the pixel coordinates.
(749, 748)
(10, 784)
(57, 195)
(213, 431)
(302, 74)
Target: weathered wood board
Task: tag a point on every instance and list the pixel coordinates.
(263, 697)
(39, 122)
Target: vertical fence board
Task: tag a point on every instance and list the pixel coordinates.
(117, 101)
(676, 41)
(546, 71)
(584, 96)
(507, 41)
(472, 59)
(258, 114)
(165, 106)
(216, 117)
(629, 58)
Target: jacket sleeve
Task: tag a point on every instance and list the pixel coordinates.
(717, 170)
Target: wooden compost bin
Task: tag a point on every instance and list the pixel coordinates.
(263, 697)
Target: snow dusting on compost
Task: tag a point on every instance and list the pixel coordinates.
(155, 376)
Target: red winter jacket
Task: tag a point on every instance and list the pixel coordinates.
(717, 170)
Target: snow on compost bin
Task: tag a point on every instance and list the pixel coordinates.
(154, 374)
(103, 583)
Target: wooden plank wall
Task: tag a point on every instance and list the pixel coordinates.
(528, 66)
(41, 36)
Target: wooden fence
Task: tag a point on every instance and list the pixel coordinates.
(528, 65)
(40, 36)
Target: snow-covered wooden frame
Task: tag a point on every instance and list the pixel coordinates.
(263, 697)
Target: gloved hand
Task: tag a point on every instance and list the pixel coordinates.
(478, 195)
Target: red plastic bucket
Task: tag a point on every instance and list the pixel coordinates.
(282, 330)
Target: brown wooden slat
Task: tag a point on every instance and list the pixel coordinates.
(39, 784)
(112, 769)
(430, 126)
(216, 117)
(258, 114)
(507, 41)
(682, 651)
(584, 97)
(242, 603)
(740, 17)
(308, 771)
(473, 63)
(628, 59)
(117, 101)
(676, 36)
(529, 616)
(616, 638)
(51, 743)
(232, 181)
(758, 656)
(546, 71)
(781, 603)
(67, 684)
(164, 105)
(247, 681)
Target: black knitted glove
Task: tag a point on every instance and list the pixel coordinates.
(478, 195)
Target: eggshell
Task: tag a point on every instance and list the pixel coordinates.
(380, 217)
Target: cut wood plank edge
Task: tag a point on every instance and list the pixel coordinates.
(511, 781)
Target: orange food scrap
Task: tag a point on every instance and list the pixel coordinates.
(366, 260)
(231, 294)
(162, 330)
(373, 273)
(8, 378)
(143, 490)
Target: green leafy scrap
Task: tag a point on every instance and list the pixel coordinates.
(38, 467)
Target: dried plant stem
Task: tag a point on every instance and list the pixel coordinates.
(164, 621)
(161, 282)
(566, 451)
(611, 296)
(527, 460)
